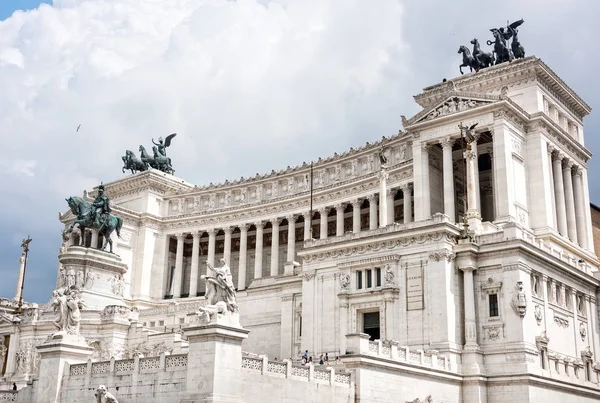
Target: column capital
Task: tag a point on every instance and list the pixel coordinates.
(291, 218)
(551, 148)
(211, 232)
(307, 215)
(356, 202)
(577, 170)
(557, 156)
(490, 151)
(391, 192)
(471, 155)
(275, 221)
(406, 187)
(372, 198)
(244, 227)
(568, 164)
(447, 142)
(180, 235)
(340, 206)
(259, 224)
(196, 234)
(425, 147)
(466, 269)
(324, 210)
(227, 230)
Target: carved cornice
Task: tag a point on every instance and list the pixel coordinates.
(364, 262)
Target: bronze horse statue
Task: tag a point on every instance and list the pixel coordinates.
(468, 60)
(85, 219)
(133, 163)
(482, 58)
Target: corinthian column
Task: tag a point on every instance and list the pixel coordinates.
(356, 204)
(195, 260)
(20, 277)
(570, 201)
(307, 224)
(407, 198)
(291, 245)
(227, 246)
(324, 211)
(339, 219)
(383, 176)
(389, 196)
(258, 259)
(425, 181)
(469, 301)
(579, 207)
(178, 267)
(473, 215)
(212, 240)
(449, 201)
(243, 256)
(275, 246)
(559, 194)
(372, 211)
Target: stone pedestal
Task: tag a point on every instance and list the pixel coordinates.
(55, 354)
(98, 274)
(215, 360)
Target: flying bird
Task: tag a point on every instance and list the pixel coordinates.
(78, 128)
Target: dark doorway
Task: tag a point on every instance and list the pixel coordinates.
(371, 325)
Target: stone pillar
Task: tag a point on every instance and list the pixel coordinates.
(356, 204)
(579, 207)
(426, 189)
(307, 224)
(291, 245)
(339, 219)
(178, 267)
(448, 169)
(569, 201)
(212, 240)
(406, 193)
(389, 196)
(372, 211)
(243, 256)
(476, 171)
(258, 259)
(470, 318)
(559, 194)
(324, 211)
(214, 363)
(195, 264)
(55, 357)
(275, 246)
(227, 246)
(550, 185)
(473, 215)
(94, 242)
(20, 277)
(383, 176)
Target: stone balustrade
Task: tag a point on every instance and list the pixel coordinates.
(8, 396)
(176, 362)
(287, 369)
(570, 369)
(359, 344)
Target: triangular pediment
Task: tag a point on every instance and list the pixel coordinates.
(455, 102)
(8, 319)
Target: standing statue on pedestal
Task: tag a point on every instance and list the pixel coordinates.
(96, 215)
(67, 303)
(220, 292)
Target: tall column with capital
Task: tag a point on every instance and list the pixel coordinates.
(356, 204)
(275, 246)
(383, 176)
(291, 245)
(227, 245)
(449, 202)
(243, 256)
(579, 207)
(469, 301)
(324, 211)
(406, 194)
(426, 190)
(258, 260)
(307, 223)
(569, 201)
(339, 219)
(178, 267)
(372, 211)
(473, 214)
(195, 263)
(20, 277)
(559, 194)
(476, 172)
(389, 197)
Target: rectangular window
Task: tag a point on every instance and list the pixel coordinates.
(152, 324)
(182, 320)
(493, 298)
(378, 277)
(359, 280)
(368, 278)
(161, 323)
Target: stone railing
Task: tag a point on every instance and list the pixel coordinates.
(287, 369)
(8, 396)
(359, 344)
(162, 363)
(570, 369)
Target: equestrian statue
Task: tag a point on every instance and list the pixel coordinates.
(502, 51)
(95, 215)
(157, 160)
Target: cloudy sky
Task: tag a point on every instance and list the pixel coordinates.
(248, 85)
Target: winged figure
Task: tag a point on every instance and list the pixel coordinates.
(468, 132)
(163, 145)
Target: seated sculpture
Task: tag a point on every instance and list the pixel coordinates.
(104, 396)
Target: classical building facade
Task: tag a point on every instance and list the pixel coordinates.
(455, 265)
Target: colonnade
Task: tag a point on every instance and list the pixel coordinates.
(256, 230)
(569, 198)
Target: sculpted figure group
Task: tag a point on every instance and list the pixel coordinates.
(220, 292)
(158, 159)
(67, 304)
(502, 52)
